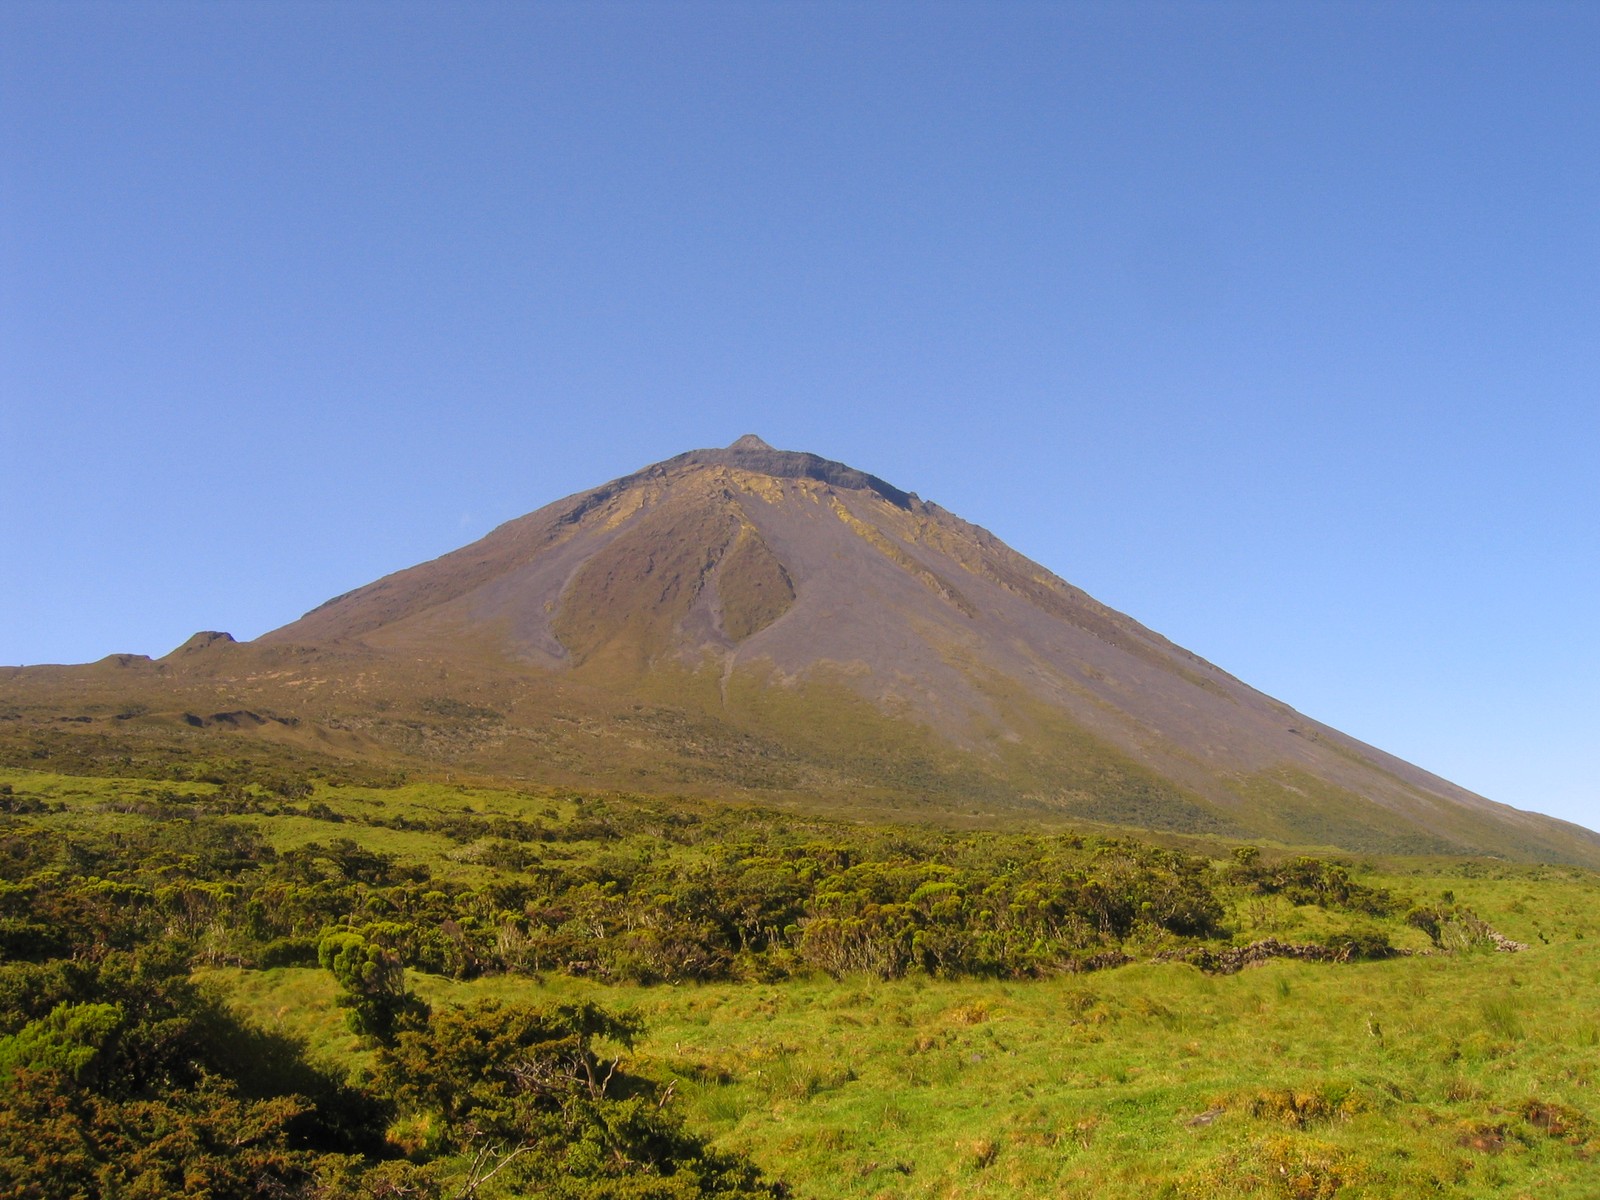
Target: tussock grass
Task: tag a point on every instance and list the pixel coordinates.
(1502, 1016)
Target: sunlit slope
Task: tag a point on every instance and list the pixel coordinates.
(756, 621)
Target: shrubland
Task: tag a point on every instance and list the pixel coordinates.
(249, 983)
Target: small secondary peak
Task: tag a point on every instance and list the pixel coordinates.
(205, 639)
(750, 442)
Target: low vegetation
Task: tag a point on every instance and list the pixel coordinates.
(248, 983)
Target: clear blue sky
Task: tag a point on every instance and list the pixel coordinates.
(1275, 325)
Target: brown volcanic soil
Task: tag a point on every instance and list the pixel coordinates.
(755, 622)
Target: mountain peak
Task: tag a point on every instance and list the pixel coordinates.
(750, 453)
(771, 623)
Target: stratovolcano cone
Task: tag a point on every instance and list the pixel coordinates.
(761, 623)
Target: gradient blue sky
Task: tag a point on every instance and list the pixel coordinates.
(1275, 325)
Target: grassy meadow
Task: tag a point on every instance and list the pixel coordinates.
(1462, 1076)
(1432, 1067)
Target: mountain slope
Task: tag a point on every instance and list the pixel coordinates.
(760, 622)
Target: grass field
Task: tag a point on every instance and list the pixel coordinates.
(1469, 1073)
(1466, 1076)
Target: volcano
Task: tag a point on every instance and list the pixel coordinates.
(760, 624)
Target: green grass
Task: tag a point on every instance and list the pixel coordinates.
(100, 803)
(1286, 1080)
(1470, 1074)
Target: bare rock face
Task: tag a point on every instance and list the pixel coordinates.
(757, 622)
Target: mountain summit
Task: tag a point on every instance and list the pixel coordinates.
(771, 624)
